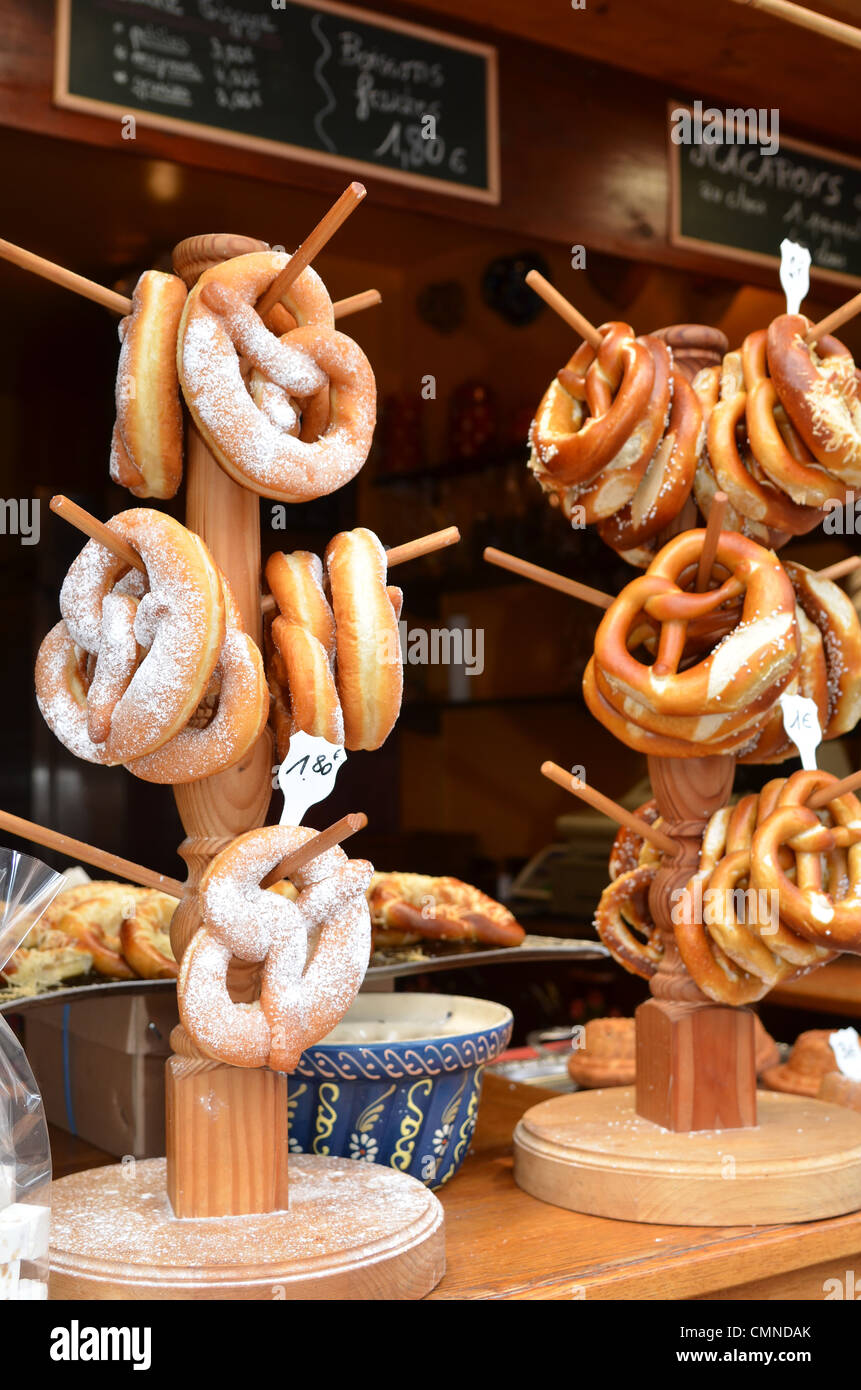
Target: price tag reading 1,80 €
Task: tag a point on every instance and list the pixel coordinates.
(307, 774)
(801, 722)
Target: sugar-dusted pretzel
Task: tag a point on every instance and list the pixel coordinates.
(819, 390)
(369, 671)
(583, 421)
(256, 429)
(146, 446)
(153, 651)
(314, 951)
(229, 719)
(721, 696)
(828, 919)
(776, 444)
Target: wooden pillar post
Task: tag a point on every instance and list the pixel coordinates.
(695, 1059)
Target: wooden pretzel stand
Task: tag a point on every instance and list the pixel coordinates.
(692, 1143)
(212, 1220)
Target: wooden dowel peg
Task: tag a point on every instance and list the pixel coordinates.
(100, 858)
(335, 835)
(836, 320)
(97, 531)
(846, 784)
(355, 303)
(714, 526)
(808, 19)
(561, 306)
(423, 545)
(554, 773)
(312, 245)
(548, 578)
(58, 274)
(840, 568)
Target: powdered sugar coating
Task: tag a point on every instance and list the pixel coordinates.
(180, 624)
(255, 445)
(315, 950)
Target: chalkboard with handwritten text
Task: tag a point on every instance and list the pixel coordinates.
(735, 200)
(314, 81)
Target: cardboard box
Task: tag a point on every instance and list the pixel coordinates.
(100, 1066)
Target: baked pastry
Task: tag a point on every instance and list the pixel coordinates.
(152, 669)
(369, 672)
(411, 907)
(314, 951)
(608, 1056)
(146, 446)
(811, 1059)
(46, 957)
(725, 697)
(301, 425)
(145, 936)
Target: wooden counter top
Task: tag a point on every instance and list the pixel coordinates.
(501, 1243)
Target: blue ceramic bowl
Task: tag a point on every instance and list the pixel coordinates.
(398, 1082)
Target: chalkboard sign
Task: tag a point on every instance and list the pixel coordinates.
(306, 78)
(733, 200)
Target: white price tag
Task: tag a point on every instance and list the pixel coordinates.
(846, 1046)
(794, 273)
(801, 722)
(307, 774)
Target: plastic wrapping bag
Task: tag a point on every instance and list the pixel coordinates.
(27, 887)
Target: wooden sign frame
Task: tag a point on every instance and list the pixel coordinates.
(733, 253)
(176, 125)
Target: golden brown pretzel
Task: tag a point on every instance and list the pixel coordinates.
(627, 845)
(569, 444)
(759, 501)
(625, 925)
(444, 909)
(668, 479)
(146, 446)
(777, 447)
(722, 694)
(818, 388)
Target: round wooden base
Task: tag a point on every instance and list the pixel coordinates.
(591, 1152)
(353, 1231)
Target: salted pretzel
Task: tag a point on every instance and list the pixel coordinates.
(146, 445)
(752, 496)
(625, 925)
(668, 479)
(175, 617)
(717, 699)
(408, 907)
(583, 422)
(833, 612)
(831, 920)
(314, 951)
(145, 936)
(776, 444)
(819, 390)
(628, 846)
(772, 744)
(254, 428)
(229, 719)
(369, 671)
